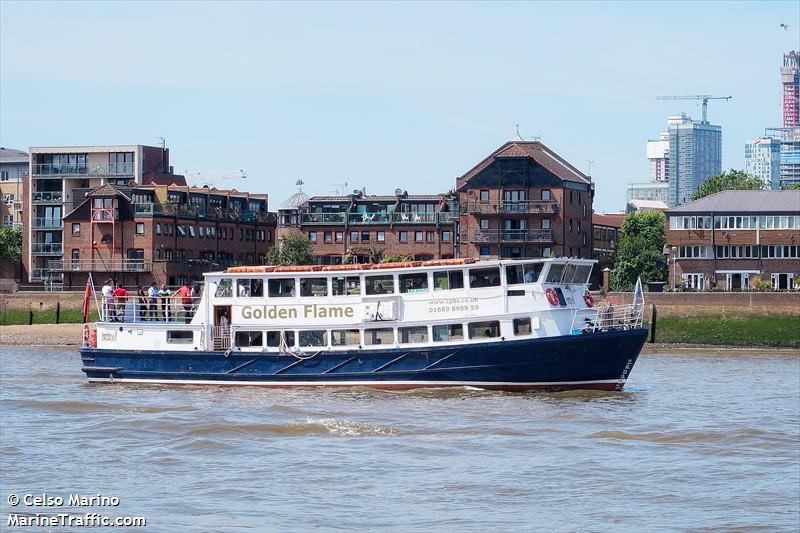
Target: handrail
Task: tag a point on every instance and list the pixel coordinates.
(135, 309)
(593, 319)
(47, 196)
(514, 235)
(47, 223)
(83, 169)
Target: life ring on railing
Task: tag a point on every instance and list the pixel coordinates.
(588, 298)
(552, 296)
(86, 335)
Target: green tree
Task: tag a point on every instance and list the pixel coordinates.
(291, 250)
(640, 252)
(10, 243)
(734, 180)
(791, 187)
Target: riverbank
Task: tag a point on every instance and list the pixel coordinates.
(738, 331)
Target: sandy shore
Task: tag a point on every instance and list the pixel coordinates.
(42, 335)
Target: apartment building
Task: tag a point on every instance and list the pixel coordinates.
(360, 227)
(729, 238)
(524, 200)
(59, 177)
(164, 233)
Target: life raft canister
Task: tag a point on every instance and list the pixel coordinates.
(551, 295)
(588, 298)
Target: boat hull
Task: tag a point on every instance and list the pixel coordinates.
(601, 361)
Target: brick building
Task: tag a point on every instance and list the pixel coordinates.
(524, 200)
(732, 237)
(358, 227)
(167, 233)
(13, 172)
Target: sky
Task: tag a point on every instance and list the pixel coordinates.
(387, 95)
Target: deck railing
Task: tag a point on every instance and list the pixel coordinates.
(146, 310)
(592, 319)
(54, 197)
(425, 217)
(509, 235)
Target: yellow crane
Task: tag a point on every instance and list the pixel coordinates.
(704, 97)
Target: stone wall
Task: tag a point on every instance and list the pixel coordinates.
(715, 303)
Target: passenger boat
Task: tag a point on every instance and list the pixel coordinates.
(514, 325)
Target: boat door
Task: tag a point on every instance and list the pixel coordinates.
(222, 327)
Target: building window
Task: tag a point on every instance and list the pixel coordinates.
(445, 236)
(364, 236)
(327, 236)
(484, 223)
(312, 236)
(380, 236)
(403, 236)
(158, 229)
(484, 250)
(418, 236)
(140, 228)
(429, 236)
(546, 252)
(546, 194)
(76, 228)
(484, 196)
(545, 223)
(339, 236)
(353, 236)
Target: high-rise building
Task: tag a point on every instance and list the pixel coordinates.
(695, 154)
(762, 158)
(790, 77)
(789, 138)
(656, 191)
(658, 158)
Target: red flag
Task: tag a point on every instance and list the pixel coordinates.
(87, 295)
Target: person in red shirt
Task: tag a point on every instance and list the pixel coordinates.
(121, 297)
(185, 293)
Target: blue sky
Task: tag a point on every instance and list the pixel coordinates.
(386, 95)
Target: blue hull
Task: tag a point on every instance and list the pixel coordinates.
(600, 360)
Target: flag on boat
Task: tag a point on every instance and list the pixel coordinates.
(638, 297)
(87, 295)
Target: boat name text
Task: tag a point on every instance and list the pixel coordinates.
(274, 312)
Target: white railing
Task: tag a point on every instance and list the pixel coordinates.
(608, 318)
(144, 309)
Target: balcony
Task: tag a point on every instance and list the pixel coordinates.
(47, 248)
(544, 207)
(97, 265)
(18, 205)
(82, 170)
(47, 223)
(509, 235)
(322, 218)
(358, 219)
(198, 211)
(55, 197)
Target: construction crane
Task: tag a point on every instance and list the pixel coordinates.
(704, 97)
(209, 177)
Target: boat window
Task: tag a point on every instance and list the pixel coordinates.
(281, 288)
(484, 277)
(448, 332)
(569, 273)
(314, 337)
(582, 274)
(379, 284)
(378, 336)
(413, 334)
(346, 286)
(250, 288)
(525, 273)
(416, 282)
(345, 337)
(554, 274)
(484, 330)
(448, 280)
(522, 326)
(313, 286)
(274, 338)
(224, 288)
(249, 338)
(180, 337)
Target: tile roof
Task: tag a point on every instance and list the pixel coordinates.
(614, 220)
(10, 155)
(744, 202)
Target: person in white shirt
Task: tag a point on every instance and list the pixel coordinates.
(108, 298)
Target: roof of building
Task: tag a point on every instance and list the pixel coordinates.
(614, 220)
(538, 152)
(107, 190)
(377, 198)
(11, 155)
(294, 201)
(744, 202)
(648, 204)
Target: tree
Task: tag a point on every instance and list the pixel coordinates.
(791, 187)
(734, 180)
(640, 252)
(292, 250)
(10, 244)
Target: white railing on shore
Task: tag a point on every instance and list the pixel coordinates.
(592, 319)
(144, 309)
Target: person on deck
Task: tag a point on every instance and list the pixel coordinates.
(108, 301)
(142, 294)
(185, 293)
(152, 293)
(164, 293)
(121, 297)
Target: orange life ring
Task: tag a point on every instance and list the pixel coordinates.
(588, 298)
(551, 295)
(93, 335)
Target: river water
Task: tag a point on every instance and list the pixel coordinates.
(694, 443)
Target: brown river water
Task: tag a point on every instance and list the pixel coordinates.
(694, 443)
